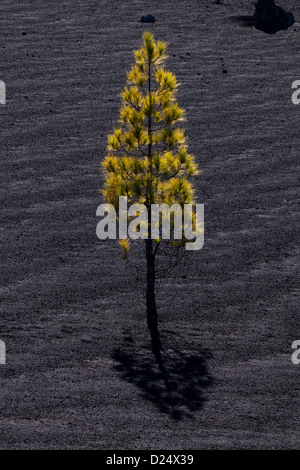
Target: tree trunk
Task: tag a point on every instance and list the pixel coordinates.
(152, 319)
(150, 291)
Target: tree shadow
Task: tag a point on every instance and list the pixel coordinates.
(268, 17)
(173, 380)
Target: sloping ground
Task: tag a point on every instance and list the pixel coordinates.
(79, 370)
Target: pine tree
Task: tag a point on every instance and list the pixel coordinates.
(147, 158)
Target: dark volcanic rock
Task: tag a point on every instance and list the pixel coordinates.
(148, 19)
(271, 18)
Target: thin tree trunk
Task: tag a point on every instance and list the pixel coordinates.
(150, 290)
(150, 256)
(152, 318)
